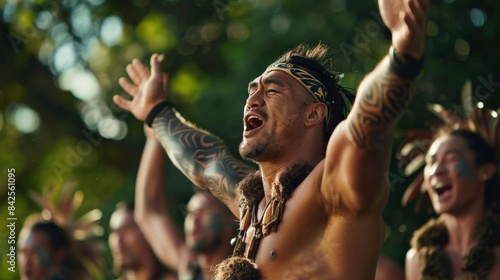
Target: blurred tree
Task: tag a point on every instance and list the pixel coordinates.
(61, 60)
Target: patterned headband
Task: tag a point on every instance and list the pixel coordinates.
(316, 85)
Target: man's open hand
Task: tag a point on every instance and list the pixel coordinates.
(406, 19)
(147, 89)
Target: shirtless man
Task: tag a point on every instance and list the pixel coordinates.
(325, 191)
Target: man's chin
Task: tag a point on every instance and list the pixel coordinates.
(249, 154)
(199, 247)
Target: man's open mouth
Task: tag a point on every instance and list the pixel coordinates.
(252, 122)
(441, 189)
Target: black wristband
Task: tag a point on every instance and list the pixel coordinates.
(156, 109)
(405, 66)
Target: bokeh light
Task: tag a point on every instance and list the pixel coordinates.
(82, 84)
(23, 118)
(111, 30)
(338, 5)
(280, 23)
(64, 57)
(237, 32)
(478, 17)
(81, 21)
(112, 128)
(462, 49)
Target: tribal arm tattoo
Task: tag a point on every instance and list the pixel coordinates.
(381, 99)
(201, 156)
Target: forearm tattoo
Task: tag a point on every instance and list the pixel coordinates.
(379, 105)
(201, 156)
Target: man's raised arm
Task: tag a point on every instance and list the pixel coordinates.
(386, 91)
(359, 170)
(202, 157)
(151, 211)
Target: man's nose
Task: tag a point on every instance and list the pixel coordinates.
(255, 99)
(437, 168)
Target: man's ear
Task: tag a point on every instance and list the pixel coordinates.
(488, 171)
(315, 114)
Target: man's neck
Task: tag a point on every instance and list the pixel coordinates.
(271, 172)
(209, 259)
(461, 230)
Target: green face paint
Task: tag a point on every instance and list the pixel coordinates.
(43, 256)
(463, 170)
(39, 243)
(36, 251)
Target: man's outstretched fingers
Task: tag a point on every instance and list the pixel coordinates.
(141, 70)
(132, 73)
(155, 67)
(121, 102)
(128, 87)
(422, 10)
(416, 13)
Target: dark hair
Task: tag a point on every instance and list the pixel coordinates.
(483, 151)
(320, 65)
(56, 235)
(319, 53)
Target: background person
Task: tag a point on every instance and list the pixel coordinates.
(133, 258)
(54, 244)
(44, 252)
(461, 179)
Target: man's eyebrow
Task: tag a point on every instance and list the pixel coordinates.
(450, 151)
(266, 81)
(454, 151)
(277, 82)
(252, 84)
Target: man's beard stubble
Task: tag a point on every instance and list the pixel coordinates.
(252, 151)
(204, 245)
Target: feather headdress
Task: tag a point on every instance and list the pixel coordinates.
(470, 115)
(86, 251)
